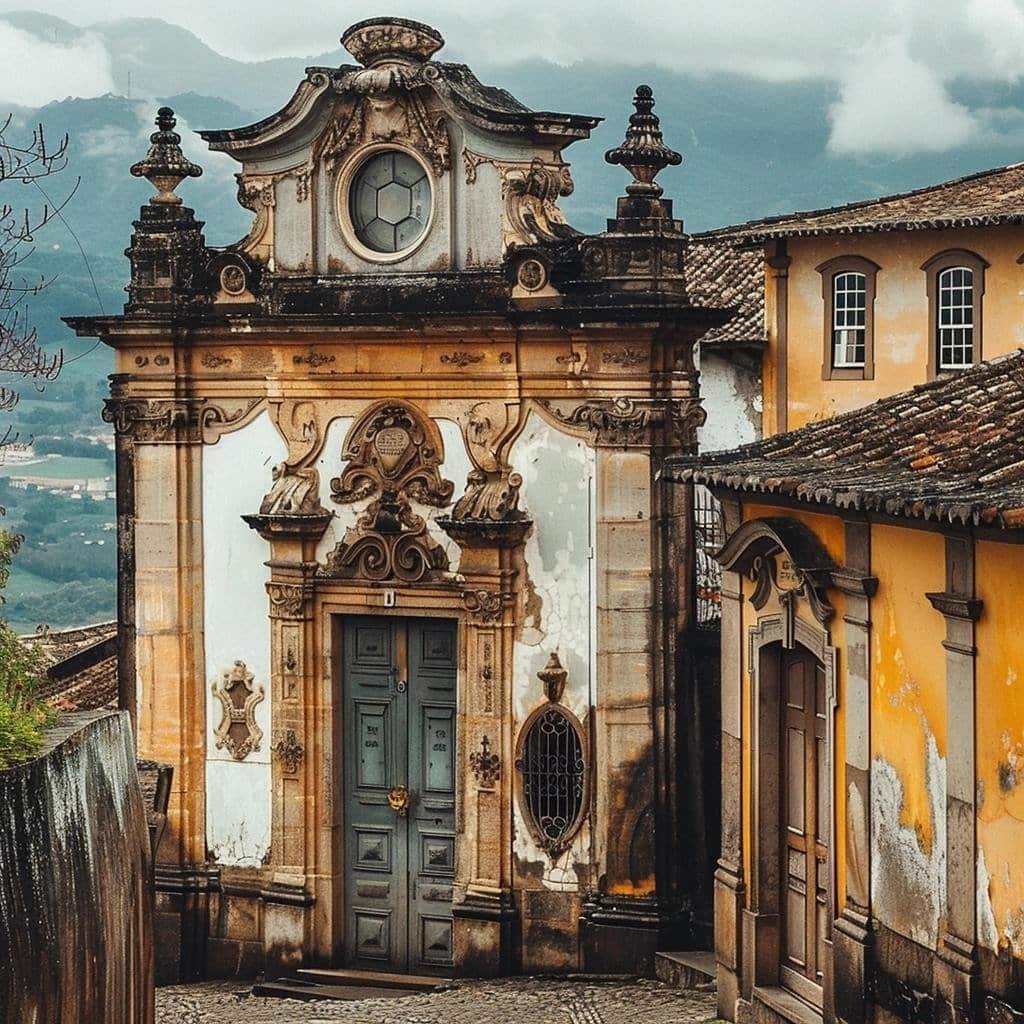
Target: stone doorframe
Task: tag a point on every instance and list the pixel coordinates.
(762, 917)
(747, 924)
(304, 913)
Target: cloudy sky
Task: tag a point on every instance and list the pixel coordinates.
(894, 62)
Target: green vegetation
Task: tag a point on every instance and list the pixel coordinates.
(23, 716)
(65, 571)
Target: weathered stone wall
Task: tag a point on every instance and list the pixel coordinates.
(75, 924)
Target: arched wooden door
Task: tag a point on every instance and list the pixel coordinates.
(806, 825)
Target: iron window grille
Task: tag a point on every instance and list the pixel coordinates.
(553, 775)
(709, 534)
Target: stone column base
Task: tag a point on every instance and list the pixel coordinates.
(285, 916)
(954, 975)
(485, 931)
(621, 934)
(181, 920)
(851, 942)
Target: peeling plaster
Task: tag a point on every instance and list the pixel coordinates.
(236, 475)
(731, 396)
(908, 883)
(557, 593)
(988, 933)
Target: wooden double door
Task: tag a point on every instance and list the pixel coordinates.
(399, 686)
(806, 825)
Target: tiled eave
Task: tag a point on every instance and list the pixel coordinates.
(964, 509)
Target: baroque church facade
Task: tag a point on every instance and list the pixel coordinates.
(401, 585)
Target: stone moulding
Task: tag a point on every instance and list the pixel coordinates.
(389, 541)
(238, 731)
(483, 605)
(288, 600)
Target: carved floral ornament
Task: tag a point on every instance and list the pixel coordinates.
(289, 751)
(238, 731)
(485, 764)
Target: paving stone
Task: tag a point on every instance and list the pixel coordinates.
(506, 1001)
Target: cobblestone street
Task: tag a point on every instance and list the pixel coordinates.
(512, 1001)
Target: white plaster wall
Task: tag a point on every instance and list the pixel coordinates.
(732, 397)
(456, 467)
(557, 492)
(236, 475)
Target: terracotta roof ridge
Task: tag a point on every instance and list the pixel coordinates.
(746, 227)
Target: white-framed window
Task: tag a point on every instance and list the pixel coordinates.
(954, 318)
(849, 319)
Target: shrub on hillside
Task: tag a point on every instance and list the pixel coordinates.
(23, 715)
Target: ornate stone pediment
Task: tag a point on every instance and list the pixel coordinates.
(392, 447)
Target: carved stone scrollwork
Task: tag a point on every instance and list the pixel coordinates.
(492, 496)
(291, 508)
(391, 447)
(531, 195)
(389, 541)
(384, 107)
(485, 764)
(289, 751)
(174, 420)
(483, 605)
(287, 600)
(238, 731)
(635, 421)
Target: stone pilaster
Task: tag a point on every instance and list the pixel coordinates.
(955, 975)
(301, 746)
(729, 887)
(852, 935)
(486, 919)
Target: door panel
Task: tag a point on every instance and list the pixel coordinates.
(807, 825)
(399, 696)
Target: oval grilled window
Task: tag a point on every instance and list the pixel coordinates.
(553, 777)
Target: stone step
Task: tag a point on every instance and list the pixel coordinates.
(688, 969)
(339, 983)
(375, 979)
(291, 988)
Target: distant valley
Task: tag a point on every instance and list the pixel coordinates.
(750, 149)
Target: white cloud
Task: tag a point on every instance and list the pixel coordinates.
(1000, 24)
(36, 71)
(891, 103)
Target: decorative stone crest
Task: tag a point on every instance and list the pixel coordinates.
(377, 40)
(391, 447)
(289, 751)
(485, 764)
(238, 731)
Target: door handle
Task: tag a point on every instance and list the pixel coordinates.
(399, 798)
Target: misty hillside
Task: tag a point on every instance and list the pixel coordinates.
(751, 148)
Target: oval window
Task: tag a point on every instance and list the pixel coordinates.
(390, 202)
(553, 777)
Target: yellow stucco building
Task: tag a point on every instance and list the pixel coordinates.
(856, 296)
(872, 861)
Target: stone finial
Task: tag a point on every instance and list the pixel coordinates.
(643, 153)
(553, 676)
(165, 166)
(377, 40)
